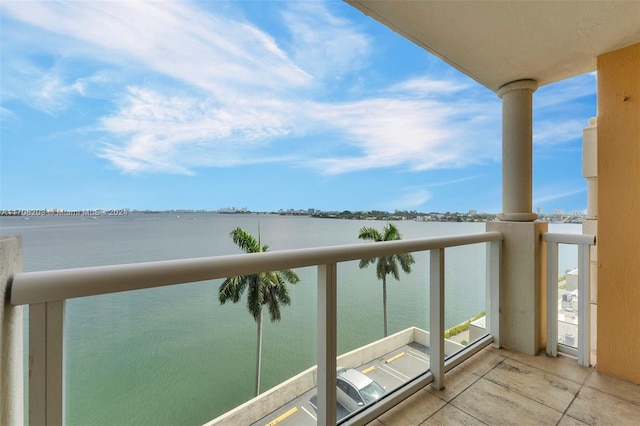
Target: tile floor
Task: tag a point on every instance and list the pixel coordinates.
(498, 387)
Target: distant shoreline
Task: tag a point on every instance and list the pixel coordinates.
(398, 215)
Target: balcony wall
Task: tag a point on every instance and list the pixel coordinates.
(618, 213)
(11, 330)
(619, 207)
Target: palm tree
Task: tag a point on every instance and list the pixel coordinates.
(265, 288)
(386, 264)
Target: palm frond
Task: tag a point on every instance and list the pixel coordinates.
(366, 262)
(391, 233)
(283, 293)
(368, 233)
(245, 240)
(289, 276)
(255, 297)
(406, 260)
(265, 288)
(232, 288)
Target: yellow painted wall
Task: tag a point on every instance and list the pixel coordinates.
(619, 213)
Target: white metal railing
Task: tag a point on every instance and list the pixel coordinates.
(583, 241)
(46, 293)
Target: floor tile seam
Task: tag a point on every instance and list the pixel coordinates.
(461, 408)
(477, 377)
(457, 408)
(621, 398)
(553, 374)
(579, 382)
(566, 410)
(499, 351)
(434, 413)
(525, 396)
(480, 374)
(428, 394)
(502, 353)
(466, 389)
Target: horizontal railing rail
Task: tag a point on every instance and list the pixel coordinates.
(46, 293)
(47, 286)
(583, 241)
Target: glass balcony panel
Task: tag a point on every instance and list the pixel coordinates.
(131, 357)
(174, 355)
(374, 365)
(289, 358)
(568, 295)
(465, 295)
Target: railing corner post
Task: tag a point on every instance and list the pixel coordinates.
(494, 265)
(436, 317)
(584, 306)
(327, 343)
(46, 361)
(552, 298)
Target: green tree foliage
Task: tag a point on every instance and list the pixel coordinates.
(386, 265)
(265, 288)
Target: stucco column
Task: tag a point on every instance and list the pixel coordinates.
(517, 125)
(523, 268)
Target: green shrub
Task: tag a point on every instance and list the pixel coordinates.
(457, 329)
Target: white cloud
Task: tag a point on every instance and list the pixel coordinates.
(415, 133)
(555, 193)
(161, 133)
(453, 182)
(240, 95)
(323, 44)
(556, 132)
(176, 39)
(410, 200)
(153, 131)
(422, 86)
(50, 93)
(565, 91)
(7, 116)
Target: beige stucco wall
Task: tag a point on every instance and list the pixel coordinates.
(11, 371)
(619, 213)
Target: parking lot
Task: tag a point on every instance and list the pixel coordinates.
(390, 370)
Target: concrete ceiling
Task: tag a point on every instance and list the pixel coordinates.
(497, 42)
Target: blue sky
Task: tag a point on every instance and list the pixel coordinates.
(257, 104)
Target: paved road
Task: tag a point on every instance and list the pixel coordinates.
(391, 371)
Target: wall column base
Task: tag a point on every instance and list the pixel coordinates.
(522, 287)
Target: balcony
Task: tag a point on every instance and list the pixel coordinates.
(458, 376)
(47, 292)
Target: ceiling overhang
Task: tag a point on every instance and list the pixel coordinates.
(498, 42)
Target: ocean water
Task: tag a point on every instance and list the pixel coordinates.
(174, 355)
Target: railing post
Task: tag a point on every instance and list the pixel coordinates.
(436, 317)
(552, 298)
(327, 343)
(46, 360)
(494, 255)
(584, 306)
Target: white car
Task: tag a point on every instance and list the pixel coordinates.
(355, 390)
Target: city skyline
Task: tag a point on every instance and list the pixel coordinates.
(195, 105)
